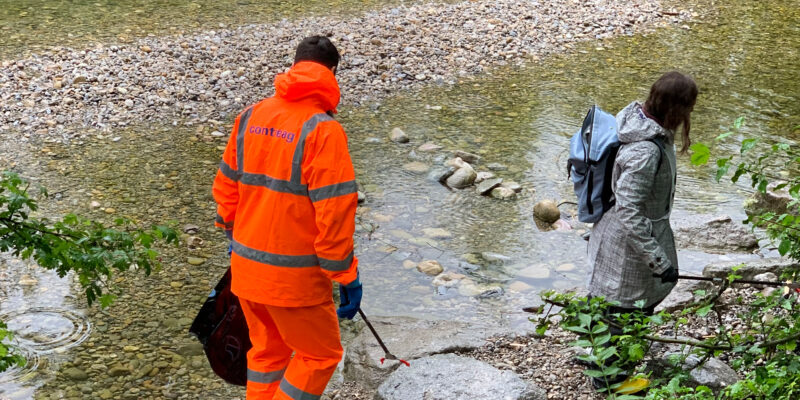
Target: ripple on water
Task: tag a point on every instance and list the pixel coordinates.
(12, 380)
(47, 330)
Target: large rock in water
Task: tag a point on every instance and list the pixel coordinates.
(410, 339)
(448, 377)
(715, 234)
(750, 268)
(463, 177)
(776, 201)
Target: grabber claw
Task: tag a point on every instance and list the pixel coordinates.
(387, 355)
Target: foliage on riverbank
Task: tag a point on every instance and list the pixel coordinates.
(91, 250)
(762, 348)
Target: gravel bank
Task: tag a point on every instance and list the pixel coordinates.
(204, 78)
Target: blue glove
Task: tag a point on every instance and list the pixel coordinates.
(350, 299)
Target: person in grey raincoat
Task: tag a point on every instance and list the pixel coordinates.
(632, 248)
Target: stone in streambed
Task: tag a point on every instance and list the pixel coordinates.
(430, 267)
(484, 175)
(467, 157)
(488, 185)
(547, 211)
(462, 178)
(537, 271)
(503, 193)
(516, 187)
(450, 376)
(447, 279)
(718, 234)
(398, 136)
(416, 167)
(437, 233)
(195, 260)
(76, 374)
(429, 147)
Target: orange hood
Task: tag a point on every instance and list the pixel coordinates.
(309, 81)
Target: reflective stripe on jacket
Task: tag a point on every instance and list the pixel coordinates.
(286, 186)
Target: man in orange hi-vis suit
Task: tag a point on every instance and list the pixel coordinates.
(286, 196)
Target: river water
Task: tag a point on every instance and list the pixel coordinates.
(743, 56)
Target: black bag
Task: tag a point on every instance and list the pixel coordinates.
(222, 329)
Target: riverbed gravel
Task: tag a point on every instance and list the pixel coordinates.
(203, 78)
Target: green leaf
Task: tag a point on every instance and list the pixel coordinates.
(703, 311)
(784, 247)
(737, 124)
(748, 145)
(700, 154)
(724, 135)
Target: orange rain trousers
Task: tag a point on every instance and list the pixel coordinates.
(311, 333)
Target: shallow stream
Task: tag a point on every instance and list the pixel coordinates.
(743, 55)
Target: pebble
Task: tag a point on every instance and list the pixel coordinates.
(429, 147)
(503, 193)
(195, 260)
(430, 267)
(416, 167)
(536, 271)
(437, 233)
(390, 50)
(398, 136)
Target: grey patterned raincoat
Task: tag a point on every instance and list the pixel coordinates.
(634, 239)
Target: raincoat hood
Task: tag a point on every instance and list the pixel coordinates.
(636, 126)
(309, 81)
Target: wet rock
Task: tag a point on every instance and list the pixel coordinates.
(519, 287)
(484, 175)
(456, 162)
(467, 157)
(513, 186)
(536, 271)
(440, 174)
(776, 201)
(462, 178)
(76, 374)
(27, 280)
(429, 147)
(497, 167)
(494, 258)
(430, 267)
(715, 234)
(503, 193)
(447, 279)
(486, 186)
(362, 197)
(416, 167)
(402, 336)
(437, 233)
(398, 136)
(449, 376)
(750, 268)
(547, 211)
(118, 370)
(565, 267)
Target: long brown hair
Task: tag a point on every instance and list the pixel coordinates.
(671, 102)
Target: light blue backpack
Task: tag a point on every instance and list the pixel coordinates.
(592, 151)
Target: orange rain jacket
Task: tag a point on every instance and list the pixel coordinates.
(286, 186)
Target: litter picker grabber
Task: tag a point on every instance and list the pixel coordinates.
(387, 354)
